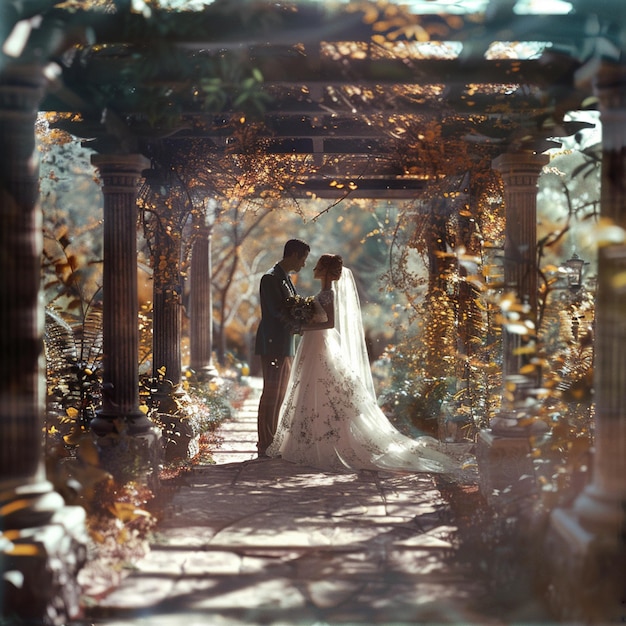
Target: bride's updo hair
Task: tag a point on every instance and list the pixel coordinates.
(332, 264)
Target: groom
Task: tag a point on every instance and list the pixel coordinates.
(274, 338)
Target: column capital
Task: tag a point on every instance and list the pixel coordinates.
(21, 89)
(120, 172)
(520, 169)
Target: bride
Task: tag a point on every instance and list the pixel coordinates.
(329, 418)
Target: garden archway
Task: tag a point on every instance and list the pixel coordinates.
(350, 90)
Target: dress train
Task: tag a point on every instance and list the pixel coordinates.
(330, 420)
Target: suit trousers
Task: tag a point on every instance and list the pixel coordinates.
(276, 371)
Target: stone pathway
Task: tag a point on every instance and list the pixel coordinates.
(254, 542)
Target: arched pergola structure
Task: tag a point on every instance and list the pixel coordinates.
(350, 90)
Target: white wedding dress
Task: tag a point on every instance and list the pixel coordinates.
(330, 419)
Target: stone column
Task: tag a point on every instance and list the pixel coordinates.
(520, 172)
(589, 539)
(44, 541)
(604, 502)
(503, 449)
(180, 439)
(166, 312)
(201, 303)
(119, 414)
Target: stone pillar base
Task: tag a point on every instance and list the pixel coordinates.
(40, 568)
(505, 467)
(132, 457)
(588, 584)
(205, 373)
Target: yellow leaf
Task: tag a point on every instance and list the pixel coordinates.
(127, 511)
(25, 549)
(529, 349)
(74, 436)
(370, 15)
(589, 102)
(381, 26)
(71, 412)
(10, 535)
(13, 507)
(88, 452)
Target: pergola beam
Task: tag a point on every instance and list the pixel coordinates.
(375, 188)
(214, 28)
(282, 66)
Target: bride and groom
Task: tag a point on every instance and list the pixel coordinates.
(319, 408)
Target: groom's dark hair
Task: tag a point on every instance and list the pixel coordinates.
(297, 247)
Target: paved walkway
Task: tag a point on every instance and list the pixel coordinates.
(253, 542)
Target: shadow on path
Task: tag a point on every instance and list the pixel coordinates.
(249, 541)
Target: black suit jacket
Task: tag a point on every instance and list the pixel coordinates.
(275, 336)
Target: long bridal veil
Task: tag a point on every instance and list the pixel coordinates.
(370, 430)
(349, 324)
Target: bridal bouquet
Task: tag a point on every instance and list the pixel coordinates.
(301, 309)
